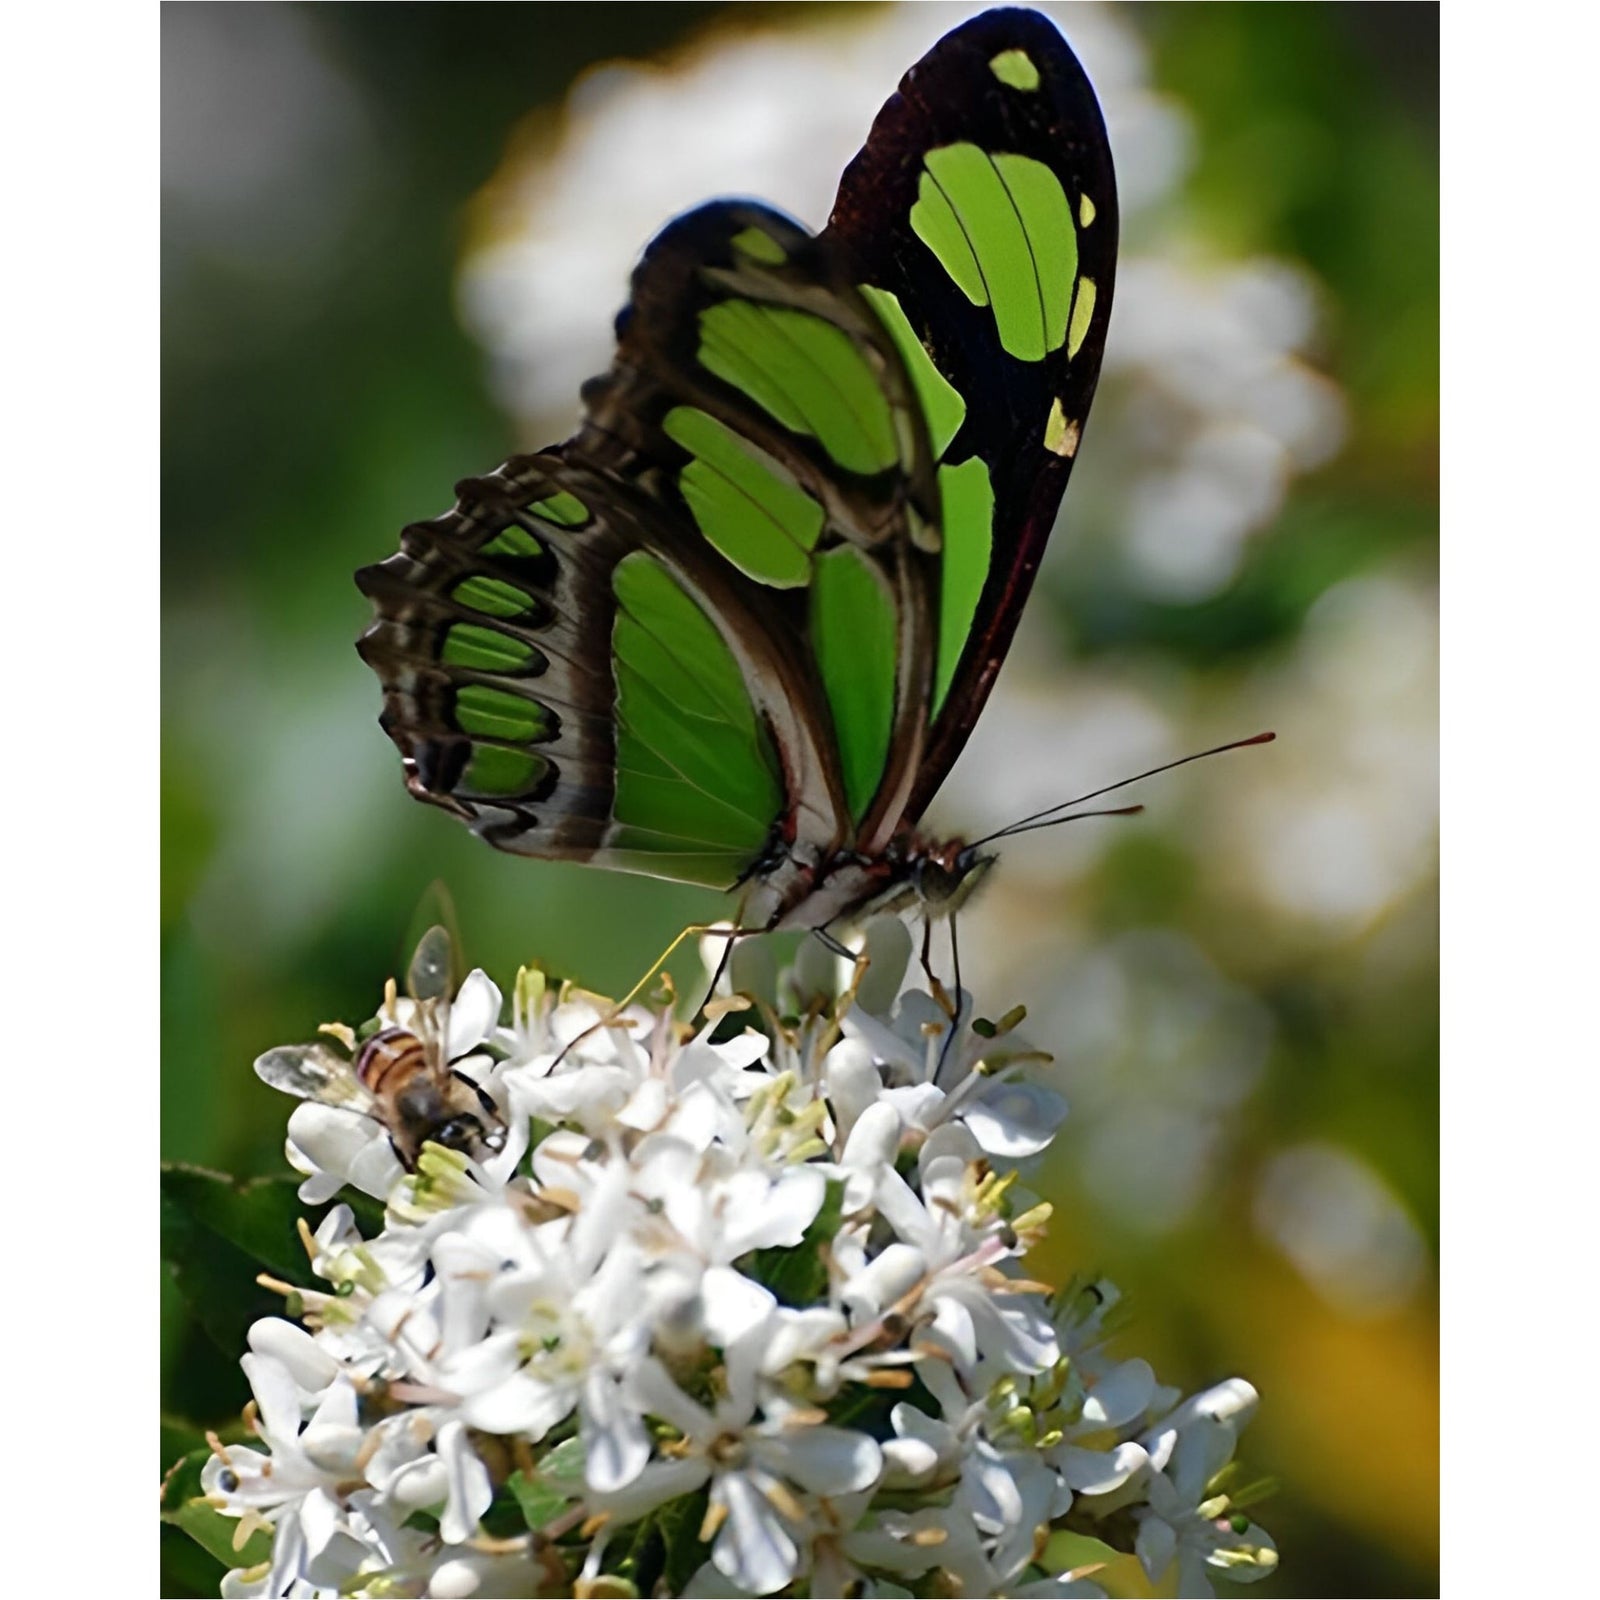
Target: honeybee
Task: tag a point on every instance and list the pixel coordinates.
(401, 1077)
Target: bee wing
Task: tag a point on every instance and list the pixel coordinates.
(428, 977)
(314, 1072)
(431, 981)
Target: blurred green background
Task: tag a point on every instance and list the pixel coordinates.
(1240, 986)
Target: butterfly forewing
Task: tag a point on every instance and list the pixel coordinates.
(982, 216)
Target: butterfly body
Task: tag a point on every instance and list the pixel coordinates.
(737, 628)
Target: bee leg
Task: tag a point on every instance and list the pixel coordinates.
(485, 1100)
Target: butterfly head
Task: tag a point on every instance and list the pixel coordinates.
(945, 875)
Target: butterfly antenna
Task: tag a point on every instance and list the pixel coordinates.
(1048, 817)
(1074, 816)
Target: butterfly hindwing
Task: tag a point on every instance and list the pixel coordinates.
(982, 216)
(701, 628)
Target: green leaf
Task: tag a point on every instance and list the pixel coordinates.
(680, 1522)
(188, 1572)
(214, 1533)
(216, 1235)
(181, 1482)
(179, 1437)
(797, 1274)
(1068, 1551)
(553, 1485)
(256, 1215)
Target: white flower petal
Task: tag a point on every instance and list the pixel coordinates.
(1120, 1396)
(953, 1331)
(886, 943)
(851, 1081)
(895, 1271)
(907, 1462)
(1098, 1471)
(473, 1013)
(311, 1367)
(743, 1050)
(333, 1448)
(288, 1554)
(706, 1583)
(646, 1107)
(991, 1488)
(520, 1404)
(319, 1522)
(823, 1459)
(948, 1139)
(732, 1304)
(919, 1104)
(874, 1140)
(1013, 1120)
(660, 1482)
(753, 1549)
(1155, 1544)
(278, 1398)
(884, 1044)
(653, 1391)
(616, 1446)
(470, 1490)
(799, 1336)
(758, 1214)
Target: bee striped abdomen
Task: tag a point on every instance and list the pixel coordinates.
(389, 1059)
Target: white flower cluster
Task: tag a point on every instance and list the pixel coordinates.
(736, 1313)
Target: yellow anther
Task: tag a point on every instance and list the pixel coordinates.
(251, 1522)
(343, 1032)
(784, 1501)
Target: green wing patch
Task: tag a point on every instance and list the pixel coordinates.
(697, 776)
(746, 505)
(968, 500)
(1001, 227)
(807, 374)
(854, 636)
(942, 406)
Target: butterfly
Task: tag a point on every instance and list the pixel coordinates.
(736, 630)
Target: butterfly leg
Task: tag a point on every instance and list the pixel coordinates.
(832, 945)
(955, 1010)
(693, 931)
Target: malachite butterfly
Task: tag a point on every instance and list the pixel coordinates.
(736, 630)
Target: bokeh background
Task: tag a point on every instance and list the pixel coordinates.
(394, 238)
